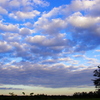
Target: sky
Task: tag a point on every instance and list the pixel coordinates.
(49, 46)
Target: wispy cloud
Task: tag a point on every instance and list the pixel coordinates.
(4, 88)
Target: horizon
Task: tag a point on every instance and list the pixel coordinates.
(49, 46)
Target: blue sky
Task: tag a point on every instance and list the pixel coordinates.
(48, 46)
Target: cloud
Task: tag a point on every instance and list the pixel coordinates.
(77, 5)
(11, 37)
(81, 27)
(85, 38)
(94, 11)
(54, 76)
(8, 27)
(29, 25)
(24, 15)
(3, 11)
(4, 47)
(3, 3)
(97, 50)
(35, 39)
(14, 3)
(49, 25)
(76, 56)
(48, 48)
(4, 88)
(25, 31)
(52, 27)
(77, 20)
(20, 50)
(46, 41)
(25, 5)
(42, 3)
(92, 60)
(49, 61)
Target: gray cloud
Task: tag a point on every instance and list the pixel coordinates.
(55, 76)
(94, 11)
(4, 47)
(8, 28)
(11, 37)
(3, 11)
(4, 88)
(25, 31)
(86, 38)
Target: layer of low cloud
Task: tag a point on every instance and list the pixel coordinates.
(4, 88)
(55, 76)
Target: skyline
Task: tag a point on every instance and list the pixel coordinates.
(49, 46)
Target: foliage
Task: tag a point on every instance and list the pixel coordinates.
(12, 94)
(96, 81)
(76, 96)
(23, 93)
(31, 94)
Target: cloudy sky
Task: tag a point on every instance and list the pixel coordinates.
(48, 46)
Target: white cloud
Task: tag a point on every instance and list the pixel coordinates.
(29, 25)
(51, 27)
(55, 11)
(25, 31)
(3, 11)
(4, 47)
(24, 15)
(49, 61)
(20, 49)
(46, 17)
(14, 3)
(3, 3)
(78, 20)
(76, 56)
(11, 37)
(54, 26)
(17, 45)
(65, 59)
(77, 5)
(92, 61)
(97, 50)
(36, 39)
(94, 11)
(22, 5)
(8, 27)
(54, 43)
(41, 2)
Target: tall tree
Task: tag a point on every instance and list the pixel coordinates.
(96, 81)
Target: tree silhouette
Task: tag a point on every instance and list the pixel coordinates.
(12, 94)
(31, 94)
(96, 81)
(23, 93)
